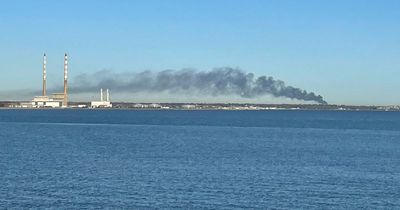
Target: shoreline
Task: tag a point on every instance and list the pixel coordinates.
(161, 109)
(205, 106)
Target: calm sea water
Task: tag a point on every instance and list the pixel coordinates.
(79, 159)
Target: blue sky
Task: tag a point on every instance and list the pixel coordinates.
(348, 51)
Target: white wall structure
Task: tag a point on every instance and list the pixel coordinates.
(45, 102)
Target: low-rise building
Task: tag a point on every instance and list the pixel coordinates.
(102, 103)
(46, 102)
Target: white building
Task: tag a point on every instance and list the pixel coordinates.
(155, 106)
(102, 103)
(46, 102)
(189, 106)
(141, 106)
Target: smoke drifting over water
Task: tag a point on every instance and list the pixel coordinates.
(218, 82)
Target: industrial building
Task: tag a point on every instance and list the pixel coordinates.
(56, 100)
(102, 103)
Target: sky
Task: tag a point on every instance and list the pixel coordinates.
(346, 50)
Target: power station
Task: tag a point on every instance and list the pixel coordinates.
(102, 103)
(60, 100)
(56, 100)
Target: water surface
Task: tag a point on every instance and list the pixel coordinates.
(199, 159)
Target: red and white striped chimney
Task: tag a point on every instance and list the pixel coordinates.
(44, 74)
(65, 104)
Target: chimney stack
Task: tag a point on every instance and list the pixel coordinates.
(101, 94)
(44, 74)
(108, 96)
(65, 80)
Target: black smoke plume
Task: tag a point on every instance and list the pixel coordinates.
(219, 81)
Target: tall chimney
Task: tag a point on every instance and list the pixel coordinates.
(65, 80)
(108, 96)
(101, 94)
(44, 74)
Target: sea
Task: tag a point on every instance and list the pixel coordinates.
(171, 159)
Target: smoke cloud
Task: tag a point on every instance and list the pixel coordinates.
(218, 82)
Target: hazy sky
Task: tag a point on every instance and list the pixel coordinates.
(348, 51)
